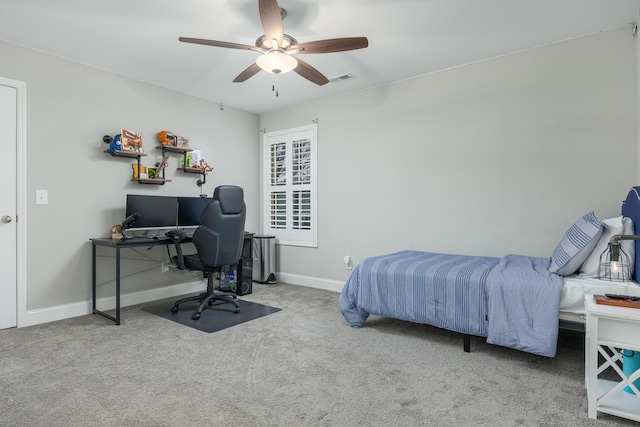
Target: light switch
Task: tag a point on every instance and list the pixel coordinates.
(42, 197)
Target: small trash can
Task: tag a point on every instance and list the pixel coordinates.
(264, 259)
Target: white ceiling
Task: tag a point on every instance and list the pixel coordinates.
(407, 38)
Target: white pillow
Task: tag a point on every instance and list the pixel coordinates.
(612, 226)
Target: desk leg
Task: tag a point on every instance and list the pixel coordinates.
(93, 280)
(94, 288)
(117, 286)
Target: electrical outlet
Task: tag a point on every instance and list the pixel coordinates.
(42, 197)
(164, 267)
(348, 263)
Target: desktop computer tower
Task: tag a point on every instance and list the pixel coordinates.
(245, 272)
(245, 267)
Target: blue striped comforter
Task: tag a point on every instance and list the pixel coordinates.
(457, 292)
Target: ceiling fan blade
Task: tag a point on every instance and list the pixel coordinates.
(310, 73)
(331, 45)
(251, 71)
(219, 44)
(271, 19)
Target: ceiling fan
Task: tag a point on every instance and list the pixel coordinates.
(277, 48)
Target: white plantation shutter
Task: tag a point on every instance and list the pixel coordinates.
(289, 193)
(301, 210)
(278, 210)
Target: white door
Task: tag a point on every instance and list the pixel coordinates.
(8, 206)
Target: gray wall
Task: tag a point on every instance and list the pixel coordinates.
(491, 158)
(69, 108)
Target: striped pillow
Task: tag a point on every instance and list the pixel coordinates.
(576, 245)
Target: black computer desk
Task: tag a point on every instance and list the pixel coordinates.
(244, 265)
(118, 245)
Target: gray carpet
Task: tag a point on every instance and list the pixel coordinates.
(302, 366)
(216, 317)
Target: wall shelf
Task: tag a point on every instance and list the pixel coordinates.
(156, 181)
(136, 155)
(127, 154)
(193, 170)
(165, 149)
(184, 151)
(172, 149)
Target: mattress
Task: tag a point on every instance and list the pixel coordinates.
(576, 287)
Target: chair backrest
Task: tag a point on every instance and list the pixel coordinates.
(220, 236)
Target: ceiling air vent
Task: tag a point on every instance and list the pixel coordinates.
(341, 78)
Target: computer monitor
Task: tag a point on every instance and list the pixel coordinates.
(155, 212)
(190, 209)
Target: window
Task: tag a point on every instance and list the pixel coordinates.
(289, 185)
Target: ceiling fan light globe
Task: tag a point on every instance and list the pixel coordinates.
(276, 62)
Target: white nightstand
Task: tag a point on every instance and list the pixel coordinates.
(610, 329)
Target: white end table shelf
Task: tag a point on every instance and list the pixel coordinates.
(609, 330)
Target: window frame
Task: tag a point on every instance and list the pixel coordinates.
(298, 226)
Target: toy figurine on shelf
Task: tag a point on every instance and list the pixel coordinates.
(205, 166)
(139, 172)
(166, 137)
(114, 144)
(161, 165)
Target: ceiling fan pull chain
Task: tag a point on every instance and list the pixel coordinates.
(274, 85)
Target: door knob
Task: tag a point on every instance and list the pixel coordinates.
(6, 219)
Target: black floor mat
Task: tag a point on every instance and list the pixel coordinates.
(215, 318)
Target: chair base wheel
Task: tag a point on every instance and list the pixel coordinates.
(206, 301)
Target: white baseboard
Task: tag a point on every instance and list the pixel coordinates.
(50, 314)
(60, 312)
(311, 282)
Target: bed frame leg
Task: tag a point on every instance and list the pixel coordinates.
(467, 343)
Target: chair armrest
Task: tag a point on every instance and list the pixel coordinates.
(178, 236)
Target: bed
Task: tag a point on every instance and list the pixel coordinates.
(514, 301)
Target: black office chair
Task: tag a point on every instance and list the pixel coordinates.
(218, 241)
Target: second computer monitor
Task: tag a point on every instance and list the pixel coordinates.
(190, 209)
